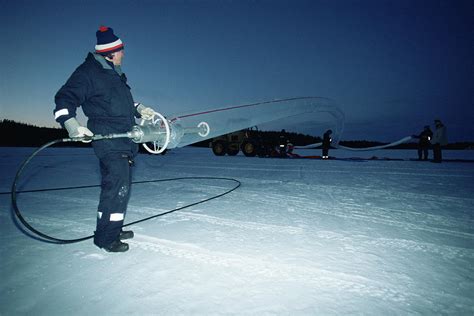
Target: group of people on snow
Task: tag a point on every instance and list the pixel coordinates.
(427, 139)
(285, 147)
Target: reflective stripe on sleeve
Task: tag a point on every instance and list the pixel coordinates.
(99, 215)
(60, 113)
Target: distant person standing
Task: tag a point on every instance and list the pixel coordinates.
(424, 144)
(283, 144)
(326, 143)
(439, 139)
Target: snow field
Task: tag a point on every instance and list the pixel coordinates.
(299, 237)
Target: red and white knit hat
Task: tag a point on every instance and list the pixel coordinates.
(107, 42)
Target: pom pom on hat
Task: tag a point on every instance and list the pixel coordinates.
(107, 41)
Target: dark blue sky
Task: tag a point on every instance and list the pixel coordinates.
(392, 66)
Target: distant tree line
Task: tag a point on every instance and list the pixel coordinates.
(16, 134)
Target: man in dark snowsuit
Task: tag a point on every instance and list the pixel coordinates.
(101, 88)
(326, 143)
(424, 143)
(283, 144)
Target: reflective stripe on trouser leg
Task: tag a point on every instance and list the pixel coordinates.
(114, 196)
(114, 217)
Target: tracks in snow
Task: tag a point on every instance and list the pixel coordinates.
(256, 267)
(314, 199)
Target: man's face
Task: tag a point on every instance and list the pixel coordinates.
(117, 60)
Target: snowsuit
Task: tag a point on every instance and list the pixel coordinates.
(439, 139)
(282, 145)
(101, 88)
(326, 143)
(424, 143)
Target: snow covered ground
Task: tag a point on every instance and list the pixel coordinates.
(299, 237)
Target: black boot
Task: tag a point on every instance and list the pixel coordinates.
(116, 246)
(126, 234)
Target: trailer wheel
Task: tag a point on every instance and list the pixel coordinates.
(219, 148)
(249, 149)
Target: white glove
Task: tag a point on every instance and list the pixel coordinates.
(75, 130)
(146, 112)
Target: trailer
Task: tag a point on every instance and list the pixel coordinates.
(251, 142)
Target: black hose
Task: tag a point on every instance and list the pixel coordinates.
(70, 241)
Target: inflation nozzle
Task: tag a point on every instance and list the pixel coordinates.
(146, 133)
